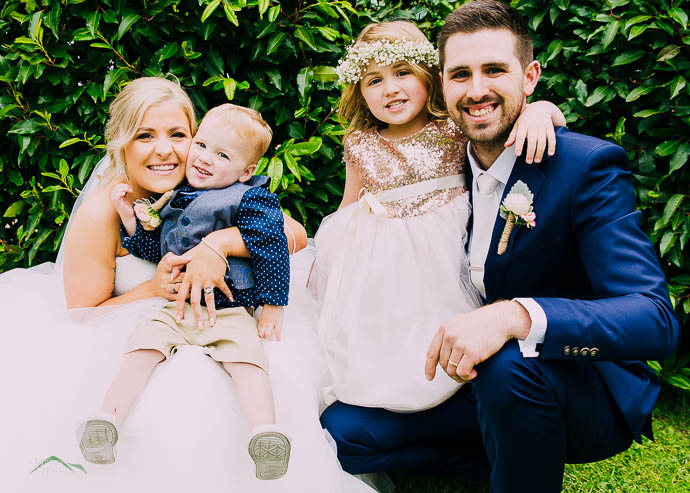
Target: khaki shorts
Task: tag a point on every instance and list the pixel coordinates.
(233, 339)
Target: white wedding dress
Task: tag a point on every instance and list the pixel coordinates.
(186, 432)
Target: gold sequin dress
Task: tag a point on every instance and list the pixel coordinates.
(392, 266)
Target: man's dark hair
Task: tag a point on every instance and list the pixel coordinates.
(487, 14)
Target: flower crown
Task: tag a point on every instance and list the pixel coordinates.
(384, 52)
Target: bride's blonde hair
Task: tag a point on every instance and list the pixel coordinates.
(128, 108)
(353, 111)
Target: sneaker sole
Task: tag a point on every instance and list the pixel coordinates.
(270, 451)
(97, 443)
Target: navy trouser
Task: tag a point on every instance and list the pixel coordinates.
(521, 419)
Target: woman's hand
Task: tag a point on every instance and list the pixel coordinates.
(167, 280)
(536, 125)
(205, 268)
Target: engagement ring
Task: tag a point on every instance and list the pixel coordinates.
(208, 290)
(172, 289)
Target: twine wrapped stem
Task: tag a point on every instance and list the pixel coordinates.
(505, 236)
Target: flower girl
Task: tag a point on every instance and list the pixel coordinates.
(391, 262)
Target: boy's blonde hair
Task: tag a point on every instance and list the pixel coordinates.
(354, 112)
(248, 124)
(128, 108)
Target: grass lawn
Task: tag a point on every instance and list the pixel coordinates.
(662, 465)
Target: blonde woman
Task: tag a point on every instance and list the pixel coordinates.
(180, 434)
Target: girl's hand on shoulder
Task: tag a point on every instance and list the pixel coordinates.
(536, 125)
(270, 322)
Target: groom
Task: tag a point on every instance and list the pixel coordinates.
(574, 302)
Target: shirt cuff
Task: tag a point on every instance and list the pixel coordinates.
(537, 332)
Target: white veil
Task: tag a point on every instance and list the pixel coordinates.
(102, 174)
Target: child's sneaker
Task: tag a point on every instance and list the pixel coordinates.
(270, 451)
(98, 438)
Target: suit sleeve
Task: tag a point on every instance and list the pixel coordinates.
(143, 244)
(631, 316)
(260, 222)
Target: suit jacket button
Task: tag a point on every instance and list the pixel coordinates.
(575, 351)
(593, 352)
(566, 350)
(584, 351)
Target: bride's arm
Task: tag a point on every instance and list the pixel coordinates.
(91, 245)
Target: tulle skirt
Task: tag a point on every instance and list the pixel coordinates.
(186, 431)
(384, 286)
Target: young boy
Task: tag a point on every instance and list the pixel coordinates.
(221, 192)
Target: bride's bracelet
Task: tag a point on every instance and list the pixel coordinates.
(217, 252)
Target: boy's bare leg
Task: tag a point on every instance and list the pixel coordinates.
(130, 381)
(269, 448)
(254, 393)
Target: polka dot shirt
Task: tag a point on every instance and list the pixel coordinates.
(260, 222)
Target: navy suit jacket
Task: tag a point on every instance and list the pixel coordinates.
(591, 268)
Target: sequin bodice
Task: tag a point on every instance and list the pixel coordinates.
(435, 151)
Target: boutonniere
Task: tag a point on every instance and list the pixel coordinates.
(147, 211)
(516, 209)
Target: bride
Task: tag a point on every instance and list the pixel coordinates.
(62, 343)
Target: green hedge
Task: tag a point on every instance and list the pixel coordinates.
(617, 68)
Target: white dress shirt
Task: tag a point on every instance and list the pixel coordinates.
(484, 215)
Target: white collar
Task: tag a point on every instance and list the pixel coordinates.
(500, 169)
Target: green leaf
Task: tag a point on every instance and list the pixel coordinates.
(169, 50)
(677, 85)
(292, 165)
(63, 168)
(261, 165)
(668, 52)
(666, 148)
(15, 209)
(275, 172)
(210, 8)
(69, 142)
(111, 78)
(100, 45)
(304, 148)
(637, 92)
(680, 157)
(53, 458)
(647, 113)
(275, 77)
(304, 80)
(42, 236)
(671, 207)
(680, 381)
(610, 33)
(263, 6)
(628, 57)
(667, 241)
(273, 13)
(275, 42)
(26, 127)
(127, 22)
(305, 35)
(554, 49)
(229, 86)
(324, 73)
(596, 96)
(230, 14)
(680, 16)
(637, 30)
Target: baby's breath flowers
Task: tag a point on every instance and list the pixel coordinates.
(384, 52)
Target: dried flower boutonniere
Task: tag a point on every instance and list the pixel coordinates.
(147, 211)
(516, 209)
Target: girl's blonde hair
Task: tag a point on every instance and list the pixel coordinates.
(128, 108)
(353, 111)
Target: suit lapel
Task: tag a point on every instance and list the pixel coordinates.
(496, 266)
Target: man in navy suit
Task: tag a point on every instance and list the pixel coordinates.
(576, 299)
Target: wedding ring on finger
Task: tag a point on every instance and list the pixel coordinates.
(172, 289)
(454, 365)
(208, 290)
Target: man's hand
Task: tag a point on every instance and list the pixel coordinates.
(270, 322)
(463, 342)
